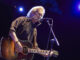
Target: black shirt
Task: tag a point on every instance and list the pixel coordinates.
(24, 28)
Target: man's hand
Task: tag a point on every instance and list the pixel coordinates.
(47, 54)
(18, 47)
(35, 46)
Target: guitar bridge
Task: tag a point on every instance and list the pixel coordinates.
(25, 49)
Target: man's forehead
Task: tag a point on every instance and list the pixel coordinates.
(38, 11)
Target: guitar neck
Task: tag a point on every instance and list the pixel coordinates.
(38, 51)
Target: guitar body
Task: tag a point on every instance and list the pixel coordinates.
(8, 50)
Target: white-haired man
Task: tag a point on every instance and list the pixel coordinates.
(24, 28)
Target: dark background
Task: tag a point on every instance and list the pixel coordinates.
(66, 24)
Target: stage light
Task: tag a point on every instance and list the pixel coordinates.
(76, 7)
(21, 9)
(79, 7)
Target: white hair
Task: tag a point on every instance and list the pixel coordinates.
(34, 9)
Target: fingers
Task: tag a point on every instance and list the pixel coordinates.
(18, 47)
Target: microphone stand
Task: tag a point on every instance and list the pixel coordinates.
(52, 40)
(50, 26)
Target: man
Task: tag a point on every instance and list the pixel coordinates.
(24, 28)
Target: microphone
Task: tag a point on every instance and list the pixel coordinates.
(41, 20)
(47, 19)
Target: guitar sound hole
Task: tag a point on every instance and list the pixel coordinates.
(25, 49)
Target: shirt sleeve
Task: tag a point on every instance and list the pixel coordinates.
(15, 23)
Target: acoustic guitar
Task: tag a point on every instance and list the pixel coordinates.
(9, 52)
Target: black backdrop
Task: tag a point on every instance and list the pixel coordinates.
(66, 27)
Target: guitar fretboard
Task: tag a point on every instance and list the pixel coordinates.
(38, 51)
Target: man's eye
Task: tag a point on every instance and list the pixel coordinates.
(40, 14)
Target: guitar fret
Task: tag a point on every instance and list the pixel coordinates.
(38, 51)
(44, 51)
(32, 50)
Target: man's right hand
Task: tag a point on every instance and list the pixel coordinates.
(18, 47)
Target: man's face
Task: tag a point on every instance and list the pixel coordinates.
(36, 16)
